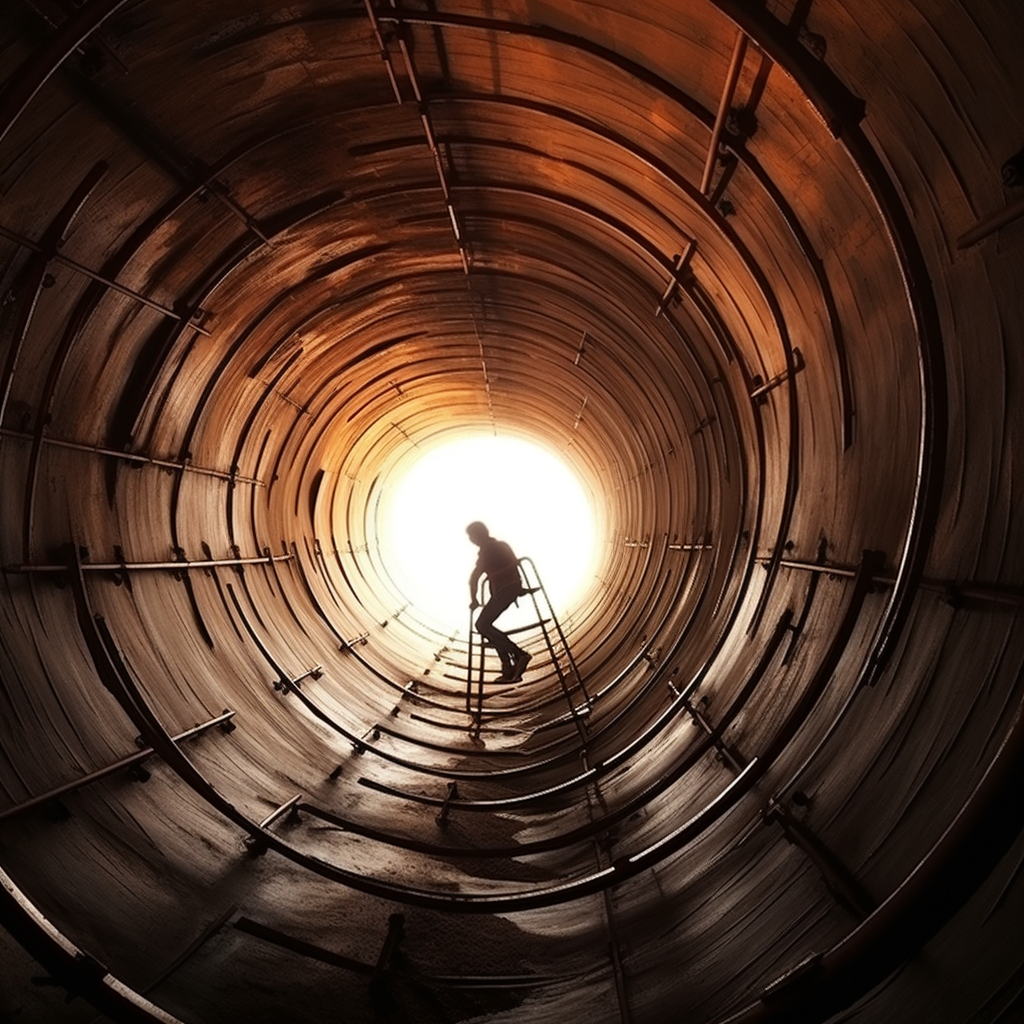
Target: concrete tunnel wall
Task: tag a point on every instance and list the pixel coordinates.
(255, 259)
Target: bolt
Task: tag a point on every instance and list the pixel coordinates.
(1013, 170)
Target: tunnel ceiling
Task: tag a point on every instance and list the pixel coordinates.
(751, 269)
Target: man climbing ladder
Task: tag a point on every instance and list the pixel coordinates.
(496, 561)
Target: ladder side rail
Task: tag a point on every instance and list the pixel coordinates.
(533, 589)
(560, 672)
(555, 661)
(549, 643)
(523, 562)
(478, 715)
(526, 567)
(481, 669)
(569, 656)
(469, 667)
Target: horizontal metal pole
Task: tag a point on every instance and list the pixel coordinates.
(79, 268)
(287, 806)
(110, 769)
(732, 76)
(969, 590)
(149, 460)
(428, 131)
(989, 225)
(726, 753)
(385, 56)
(199, 563)
(644, 544)
(769, 385)
(824, 567)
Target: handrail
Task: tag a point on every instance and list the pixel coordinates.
(80, 268)
(36, 272)
(731, 78)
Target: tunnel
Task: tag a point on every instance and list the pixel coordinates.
(751, 270)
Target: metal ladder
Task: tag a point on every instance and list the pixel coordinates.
(557, 645)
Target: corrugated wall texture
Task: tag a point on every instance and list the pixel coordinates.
(753, 269)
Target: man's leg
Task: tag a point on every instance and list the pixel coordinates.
(508, 652)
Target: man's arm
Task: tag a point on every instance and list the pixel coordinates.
(474, 579)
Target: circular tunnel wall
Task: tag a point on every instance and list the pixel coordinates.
(256, 259)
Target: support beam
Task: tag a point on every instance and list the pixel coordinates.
(956, 591)
(427, 122)
(37, 278)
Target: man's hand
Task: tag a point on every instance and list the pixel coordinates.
(474, 604)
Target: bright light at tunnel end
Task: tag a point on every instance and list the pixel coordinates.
(526, 496)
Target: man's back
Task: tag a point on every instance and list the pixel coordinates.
(498, 560)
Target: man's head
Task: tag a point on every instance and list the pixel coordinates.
(477, 533)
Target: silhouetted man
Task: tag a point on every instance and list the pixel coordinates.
(497, 561)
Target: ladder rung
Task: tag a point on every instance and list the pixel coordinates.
(522, 629)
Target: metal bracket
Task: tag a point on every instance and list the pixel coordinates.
(257, 846)
(453, 794)
(762, 387)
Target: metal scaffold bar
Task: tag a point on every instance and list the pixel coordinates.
(130, 761)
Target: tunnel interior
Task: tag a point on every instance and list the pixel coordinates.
(751, 270)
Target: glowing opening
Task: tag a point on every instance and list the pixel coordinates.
(526, 496)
